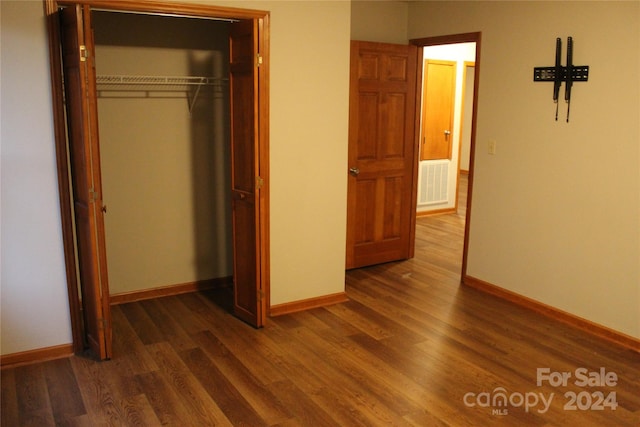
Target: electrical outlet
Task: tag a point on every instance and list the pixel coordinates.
(492, 147)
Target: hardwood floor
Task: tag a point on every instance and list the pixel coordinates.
(411, 348)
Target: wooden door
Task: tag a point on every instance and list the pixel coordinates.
(84, 153)
(437, 112)
(246, 182)
(381, 192)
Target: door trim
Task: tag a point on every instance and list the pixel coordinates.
(453, 39)
(176, 9)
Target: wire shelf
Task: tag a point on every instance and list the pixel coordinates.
(145, 85)
(178, 83)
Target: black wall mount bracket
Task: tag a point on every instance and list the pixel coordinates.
(557, 74)
(580, 73)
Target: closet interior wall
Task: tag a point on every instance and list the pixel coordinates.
(165, 163)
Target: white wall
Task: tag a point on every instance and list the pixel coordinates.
(556, 212)
(309, 90)
(35, 311)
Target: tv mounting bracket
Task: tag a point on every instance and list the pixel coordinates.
(558, 74)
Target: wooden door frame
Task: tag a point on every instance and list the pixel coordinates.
(476, 38)
(176, 9)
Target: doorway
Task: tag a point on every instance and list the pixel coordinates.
(249, 164)
(383, 155)
(447, 110)
(466, 122)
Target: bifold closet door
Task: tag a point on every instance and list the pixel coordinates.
(246, 183)
(84, 151)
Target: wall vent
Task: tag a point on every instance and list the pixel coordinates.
(434, 182)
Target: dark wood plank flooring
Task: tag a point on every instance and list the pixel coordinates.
(411, 348)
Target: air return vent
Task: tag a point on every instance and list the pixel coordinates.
(434, 182)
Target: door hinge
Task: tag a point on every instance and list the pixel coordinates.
(259, 182)
(84, 53)
(93, 195)
(260, 294)
(258, 60)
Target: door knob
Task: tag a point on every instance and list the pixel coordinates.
(447, 132)
(354, 171)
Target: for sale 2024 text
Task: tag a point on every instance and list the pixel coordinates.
(582, 377)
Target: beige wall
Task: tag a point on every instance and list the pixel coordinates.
(34, 312)
(379, 21)
(555, 212)
(165, 168)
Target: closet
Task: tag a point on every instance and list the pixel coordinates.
(163, 159)
(164, 124)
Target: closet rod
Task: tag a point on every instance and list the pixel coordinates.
(158, 80)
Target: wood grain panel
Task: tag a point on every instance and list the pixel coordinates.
(365, 191)
(367, 135)
(398, 68)
(252, 389)
(369, 67)
(202, 408)
(164, 400)
(34, 406)
(63, 391)
(392, 143)
(393, 207)
(381, 150)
